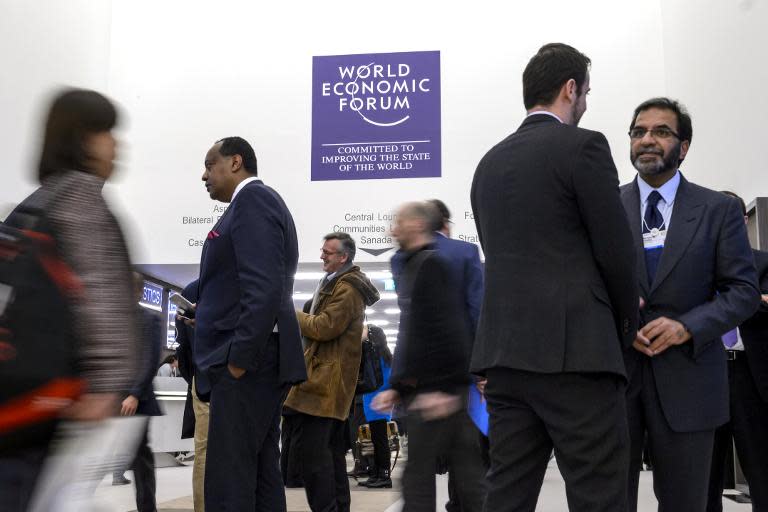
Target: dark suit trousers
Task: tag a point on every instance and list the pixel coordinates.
(143, 467)
(453, 438)
(749, 431)
(321, 445)
(289, 455)
(582, 416)
(242, 470)
(454, 503)
(681, 460)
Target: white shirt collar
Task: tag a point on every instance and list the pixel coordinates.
(668, 190)
(242, 185)
(546, 113)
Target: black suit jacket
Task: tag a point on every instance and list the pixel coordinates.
(706, 279)
(245, 288)
(754, 332)
(560, 287)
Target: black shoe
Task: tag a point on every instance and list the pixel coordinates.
(381, 481)
(357, 472)
(120, 481)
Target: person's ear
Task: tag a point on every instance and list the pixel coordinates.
(571, 90)
(237, 163)
(684, 146)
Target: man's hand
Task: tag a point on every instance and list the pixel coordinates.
(93, 407)
(188, 321)
(481, 386)
(664, 333)
(436, 405)
(641, 344)
(235, 371)
(130, 404)
(764, 298)
(385, 401)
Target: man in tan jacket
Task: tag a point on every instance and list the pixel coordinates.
(318, 408)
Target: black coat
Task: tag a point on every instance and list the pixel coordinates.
(185, 337)
(151, 339)
(560, 274)
(433, 344)
(754, 332)
(706, 279)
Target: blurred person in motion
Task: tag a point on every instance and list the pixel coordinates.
(430, 369)
(377, 421)
(141, 402)
(77, 159)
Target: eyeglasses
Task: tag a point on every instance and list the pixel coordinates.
(660, 132)
(329, 253)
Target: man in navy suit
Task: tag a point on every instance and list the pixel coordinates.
(247, 338)
(697, 282)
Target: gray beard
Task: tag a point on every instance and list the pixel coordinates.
(667, 164)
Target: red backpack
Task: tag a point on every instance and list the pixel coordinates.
(38, 346)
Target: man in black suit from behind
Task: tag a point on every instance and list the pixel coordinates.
(560, 302)
(697, 282)
(746, 349)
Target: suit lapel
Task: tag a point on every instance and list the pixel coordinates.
(632, 206)
(686, 217)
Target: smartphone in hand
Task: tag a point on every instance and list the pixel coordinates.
(183, 306)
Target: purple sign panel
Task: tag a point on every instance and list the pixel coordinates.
(376, 116)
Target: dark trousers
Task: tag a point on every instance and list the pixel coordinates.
(748, 430)
(321, 445)
(454, 503)
(454, 439)
(242, 470)
(582, 416)
(143, 467)
(356, 418)
(18, 475)
(681, 460)
(290, 463)
(380, 442)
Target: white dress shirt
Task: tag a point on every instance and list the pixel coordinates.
(242, 185)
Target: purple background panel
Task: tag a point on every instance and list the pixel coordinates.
(376, 116)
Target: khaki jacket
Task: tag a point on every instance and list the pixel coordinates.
(333, 353)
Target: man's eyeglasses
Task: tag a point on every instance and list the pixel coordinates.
(328, 253)
(660, 132)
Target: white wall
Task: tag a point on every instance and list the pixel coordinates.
(188, 73)
(196, 74)
(717, 64)
(43, 45)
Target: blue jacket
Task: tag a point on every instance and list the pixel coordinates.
(370, 414)
(247, 269)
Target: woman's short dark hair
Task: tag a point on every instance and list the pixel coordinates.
(73, 115)
(684, 124)
(552, 66)
(379, 339)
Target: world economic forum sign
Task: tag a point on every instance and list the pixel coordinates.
(376, 116)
